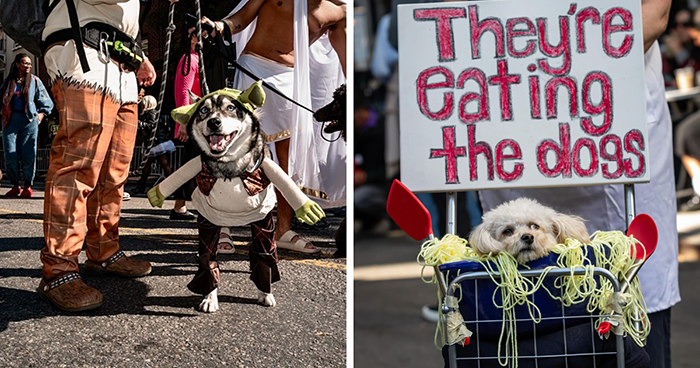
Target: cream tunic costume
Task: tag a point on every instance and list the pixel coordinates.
(228, 203)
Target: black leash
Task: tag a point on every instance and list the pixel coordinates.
(265, 84)
(323, 128)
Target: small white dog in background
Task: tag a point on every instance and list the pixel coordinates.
(525, 229)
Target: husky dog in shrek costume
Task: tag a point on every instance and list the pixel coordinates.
(234, 177)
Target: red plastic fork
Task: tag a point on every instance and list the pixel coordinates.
(643, 228)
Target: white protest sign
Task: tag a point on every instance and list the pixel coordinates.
(530, 93)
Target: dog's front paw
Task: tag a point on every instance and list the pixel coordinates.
(210, 303)
(266, 299)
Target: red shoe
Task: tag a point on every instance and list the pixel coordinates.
(14, 192)
(27, 192)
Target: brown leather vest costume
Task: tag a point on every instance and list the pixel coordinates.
(254, 182)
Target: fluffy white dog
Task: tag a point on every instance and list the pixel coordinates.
(525, 229)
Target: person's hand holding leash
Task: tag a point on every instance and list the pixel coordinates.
(310, 213)
(146, 74)
(210, 25)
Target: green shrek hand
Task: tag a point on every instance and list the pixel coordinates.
(309, 213)
(156, 197)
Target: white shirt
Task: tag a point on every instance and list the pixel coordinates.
(62, 60)
(603, 206)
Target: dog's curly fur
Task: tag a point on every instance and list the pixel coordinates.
(526, 229)
(335, 112)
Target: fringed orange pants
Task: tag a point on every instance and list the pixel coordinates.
(89, 165)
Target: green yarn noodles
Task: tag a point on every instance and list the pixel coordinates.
(612, 250)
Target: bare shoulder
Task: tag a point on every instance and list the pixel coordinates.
(256, 4)
(340, 8)
(331, 11)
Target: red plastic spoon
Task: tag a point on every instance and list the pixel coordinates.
(412, 217)
(642, 228)
(408, 212)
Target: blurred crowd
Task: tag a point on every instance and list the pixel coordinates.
(681, 43)
(680, 47)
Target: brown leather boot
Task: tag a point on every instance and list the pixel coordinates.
(119, 265)
(69, 293)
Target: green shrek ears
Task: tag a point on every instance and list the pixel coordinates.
(251, 98)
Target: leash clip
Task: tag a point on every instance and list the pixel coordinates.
(103, 51)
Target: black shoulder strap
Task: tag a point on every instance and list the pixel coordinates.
(52, 5)
(77, 35)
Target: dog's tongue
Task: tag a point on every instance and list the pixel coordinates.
(217, 142)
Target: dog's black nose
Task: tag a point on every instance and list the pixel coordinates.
(214, 123)
(527, 238)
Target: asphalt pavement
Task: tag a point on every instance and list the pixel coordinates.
(151, 321)
(390, 332)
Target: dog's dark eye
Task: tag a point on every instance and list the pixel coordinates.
(534, 226)
(204, 110)
(507, 232)
(230, 108)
